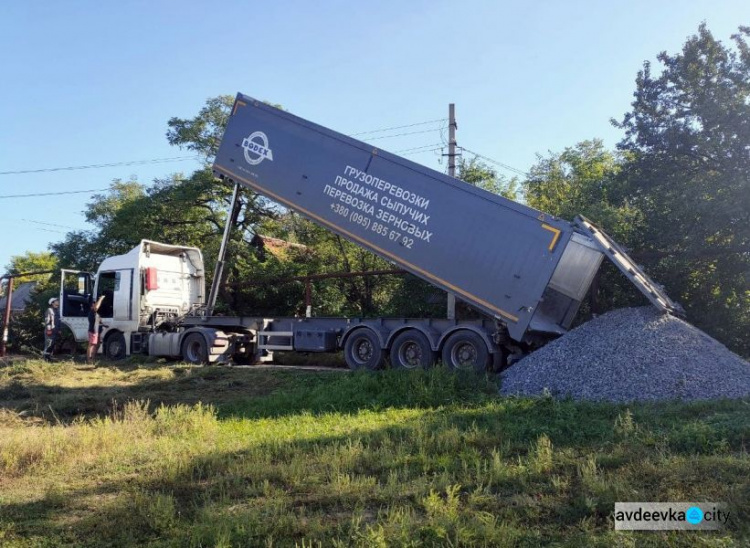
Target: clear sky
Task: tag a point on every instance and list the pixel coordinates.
(89, 82)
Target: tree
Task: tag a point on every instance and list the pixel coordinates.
(688, 140)
(479, 174)
(26, 328)
(32, 262)
(584, 180)
(202, 133)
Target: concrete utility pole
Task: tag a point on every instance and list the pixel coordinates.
(451, 305)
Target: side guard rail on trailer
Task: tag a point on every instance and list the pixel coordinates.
(653, 291)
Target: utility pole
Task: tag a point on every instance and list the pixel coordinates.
(451, 304)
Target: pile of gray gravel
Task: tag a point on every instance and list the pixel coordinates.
(631, 354)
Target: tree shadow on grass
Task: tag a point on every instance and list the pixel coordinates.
(292, 489)
(52, 401)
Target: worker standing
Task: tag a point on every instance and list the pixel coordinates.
(51, 327)
(93, 330)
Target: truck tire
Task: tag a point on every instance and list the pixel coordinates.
(114, 346)
(362, 350)
(195, 349)
(466, 351)
(411, 350)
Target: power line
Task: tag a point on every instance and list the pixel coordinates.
(496, 162)
(54, 193)
(421, 151)
(44, 223)
(402, 134)
(397, 127)
(418, 148)
(50, 230)
(98, 166)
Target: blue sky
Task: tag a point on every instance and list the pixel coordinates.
(91, 82)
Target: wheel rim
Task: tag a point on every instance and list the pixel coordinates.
(363, 351)
(115, 347)
(193, 351)
(464, 355)
(410, 354)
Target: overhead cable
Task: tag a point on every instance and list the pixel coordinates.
(98, 166)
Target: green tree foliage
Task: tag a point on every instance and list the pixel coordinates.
(26, 328)
(688, 141)
(477, 173)
(32, 262)
(584, 180)
(202, 133)
(329, 253)
(676, 192)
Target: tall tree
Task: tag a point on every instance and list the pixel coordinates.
(688, 137)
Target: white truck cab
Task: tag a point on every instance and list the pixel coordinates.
(142, 289)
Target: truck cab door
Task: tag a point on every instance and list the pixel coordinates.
(75, 295)
(117, 288)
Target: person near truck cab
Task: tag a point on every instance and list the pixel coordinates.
(51, 328)
(94, 329)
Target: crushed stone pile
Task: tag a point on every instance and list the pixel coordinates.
(628, 355)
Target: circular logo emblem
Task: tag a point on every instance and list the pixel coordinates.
(256, 148)
(694, 515)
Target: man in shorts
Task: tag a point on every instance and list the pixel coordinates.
(93, 330)
(51, 328)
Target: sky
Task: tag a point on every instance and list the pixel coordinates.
(89, 83)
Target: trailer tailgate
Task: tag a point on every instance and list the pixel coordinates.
(615, 253)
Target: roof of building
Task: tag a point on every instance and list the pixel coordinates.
(21, 296)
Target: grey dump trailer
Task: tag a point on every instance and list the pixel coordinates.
(526, 270)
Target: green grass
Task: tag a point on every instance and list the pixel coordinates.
(161, 456)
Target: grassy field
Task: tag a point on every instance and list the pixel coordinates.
(151, 455)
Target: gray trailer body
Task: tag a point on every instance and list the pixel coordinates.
(526, 269)
(496, 254)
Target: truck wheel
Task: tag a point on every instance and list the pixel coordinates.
(466, 351)
(362, 350)
(114, 346)
(195, 349)
(411, 350)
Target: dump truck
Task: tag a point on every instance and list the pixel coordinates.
(525, 271)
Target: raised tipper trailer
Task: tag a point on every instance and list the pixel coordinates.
(525, 270)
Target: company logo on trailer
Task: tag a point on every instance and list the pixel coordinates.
(256, 148)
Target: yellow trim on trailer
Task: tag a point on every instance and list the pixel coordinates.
(238, 104)
(555, 231)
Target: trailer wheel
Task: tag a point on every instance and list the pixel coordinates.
(466, 351)
(114, 346)
(362, 350)
(195, 349)
(411, 350)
